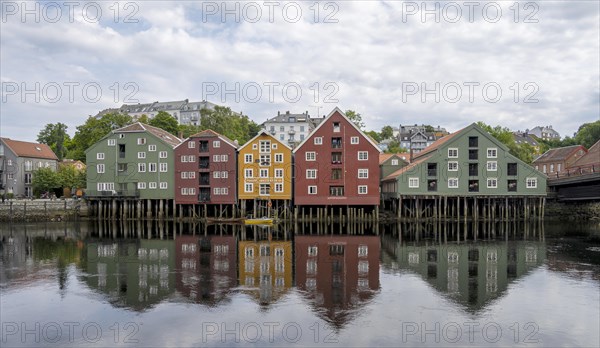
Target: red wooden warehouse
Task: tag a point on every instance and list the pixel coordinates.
(205, 174)
(337, 165)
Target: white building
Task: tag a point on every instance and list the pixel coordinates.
(291, 128)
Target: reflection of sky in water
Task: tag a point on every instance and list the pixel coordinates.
(556, 301)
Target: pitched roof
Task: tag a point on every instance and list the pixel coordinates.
(591, 157)
(407, 168)
(438, 143)
(559, 154)
(285, 117)
(162, 134)
(383, 157)
(267, 134)
(209, 133)
(28, 149)
(337, 109)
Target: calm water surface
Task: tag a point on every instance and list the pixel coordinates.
(150, 284)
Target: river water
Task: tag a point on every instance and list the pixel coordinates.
(154, 284)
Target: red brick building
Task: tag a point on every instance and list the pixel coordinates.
(206, 171)
(337, 165)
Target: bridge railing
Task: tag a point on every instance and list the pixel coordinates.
(575, 171)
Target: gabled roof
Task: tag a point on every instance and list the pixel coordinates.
(559, 154)
(591, 157)
(383, 157)
(28, 149)
(402, 170)
(285, 118)
(337, 109)
(267, 134)
(209, 133)
(162, 134)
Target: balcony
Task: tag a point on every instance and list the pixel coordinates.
(204, 197)
(291, 131)
(203, 146)
(336, 143)
(204, 180)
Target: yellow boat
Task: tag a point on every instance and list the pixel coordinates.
(260, 221)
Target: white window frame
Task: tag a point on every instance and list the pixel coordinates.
(141, 141)
(363, 189)
(151, 148)
(453, 180)
(365, 155)
(264, 146)
(224, 158)
(318, 141)
(224, 174)
(452, 152)
(312, 190)
(100, 169)
(279, 158)
(184, 175)
(279, 187)
(310, 156)
(363, 173)
(395, 162)
(99, 156)
(354, 140)
(492, 166)
(191, 158)
(248, 187)
(141, 155)
(274, 146)
(152, 168)
(141, 185)
(248, 173)
(184, 159)
(152, 185)
(112, 142)
(192, 175)
(262, 171)
(162, 154)
(279, 173)
(532, 181)
(141, 167)
(216, 158)
(453, 166)
(216, 143)
(163, 167)
(262, 163)
(191, 144)
(413, 182)
(494, 151)
(248, 158)
(163, 185)
(311, 173)
(216, 175)
(492, 183)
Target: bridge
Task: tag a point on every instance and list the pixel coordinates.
(580, 184)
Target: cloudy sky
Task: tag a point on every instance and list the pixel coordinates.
(517, 64)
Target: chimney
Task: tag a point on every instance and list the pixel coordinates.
(180, 134)
(287, 112)
(411, 154)
(278, 113)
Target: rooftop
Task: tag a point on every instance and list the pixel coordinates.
(28, 149)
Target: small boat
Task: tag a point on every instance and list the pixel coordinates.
(259, 221)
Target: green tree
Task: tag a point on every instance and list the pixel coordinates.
(524, 151)
(394, 147)
(356, 118)
(55, 136)
(70, 177)
(588, 134)
(228, 123)
(45, 179)
(429, 129)
(374, 135)
(387, 132)
(165, 121)
(94, 129)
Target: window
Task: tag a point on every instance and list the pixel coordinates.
(282, 129)
(282, 137)
(184, 175)
(511, 169)
(100, 168)
(224, 158)
(492, 152)
(264, 173)
(28, 166)
(152, 185)
(265, 160)
(249, 188)
(473, 169)
(336, 191)
(354, 140)
(248, 158)
(224, 174)
(312, 190)
(336, 127)
(452, 166)
(163, 167)
(184, 159)
(452, 153)
(511, 185)
(152, 148)
(265, 146)
(531, 182)
(9, 163)
(105, 186)
(112, 142)
(311, 156)
(318, 140)
(278, 158)
(492, 166)
(141, 185)
(191, 144)
(336, 157)
(431, 169)
(152, 167)
(558, 170)
(362, 189)
(216, 158)
(279, 173)
(141, 141)
(552, 168)
(248, 173)
(264, 189)
(313, 250)
(492, 183)
(10, 176)
(191, 158)
(274, 146)
(336, 249)
(336, 174)
(413, 182)
(163, 185)
(473, 141)
(394, 162)
(279, 187)
(363, 156)
(545, 169)
(141, 155)
(216, 175)
(99, 156)
(336, 143)
(141, 167)
(162, 154)
(363, 250)
(452, 182)
(192, 175)
(216, 143)
(432, 185)
(473, 154)
(217, 191)
(311, 173)
(473, 185)
(363, 173)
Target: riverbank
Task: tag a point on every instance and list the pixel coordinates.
(42, 210)
(572, 211)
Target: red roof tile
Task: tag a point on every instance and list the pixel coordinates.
(437, 144)
(405, 169)
(558, 154)
(591, 157)
(27, 149)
